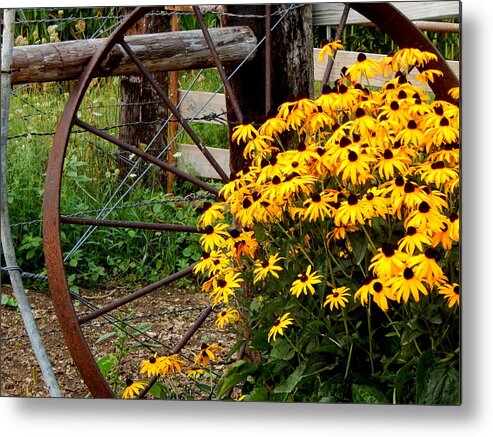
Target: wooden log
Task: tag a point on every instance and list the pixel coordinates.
(166, 51)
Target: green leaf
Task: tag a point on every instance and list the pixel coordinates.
(442, 387)
(292, 380)
(359, 246)
(236, 373)
(366, 394)
(9, 301)
(402, 377)
(425, 364)
(259, 393)
(106, 364)
(281, 350)
(105, 337)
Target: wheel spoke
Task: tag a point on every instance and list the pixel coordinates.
(159, 90)
(338, 35)
(135, 295)
(127, 224)
(145, 156)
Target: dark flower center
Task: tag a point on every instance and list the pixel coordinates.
(345, 141)
(265, 264)
(409, 187)
(444, 122)
(369, 196)
(456, 289)
(360, 112)
(438, 165)
(247, 203)
(352, 156)
(128, 382)
(399, 181)
(206, 206)
(222, 283)
(453, 217)
(277, 322)
(439, 110)
(335, 294)
(388, 250)
(295, 164)
(352, 200)
(152, 360)
(342, 89)
(361, 57)
(209, 229)
(390, 86)
(320, 151)
(411, 230)
(235, 233)
(273, 160)
(388, 154)
(303, 278)
(424, 207)
(276, 180)
(402, 95)
(301, 147)
(316, 197)
(394, 105)
(356, 138)
(412, 124)
(378, 287)
(431, 253)
(264, 163)
(408, 273)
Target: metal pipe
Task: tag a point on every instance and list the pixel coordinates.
(6, 240)
(268, 60)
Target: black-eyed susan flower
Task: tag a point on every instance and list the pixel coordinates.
(451, 292)
(329, 49)
(364, 291)
(305, 282)
(150, 366)
(280, 324)
(195, 372)
(411, 135)
(381, 294)
(337, 298)
(408, 58)
(454, 227)
(428, 76)
(132, 388)
(211, 213)
(244, 133)
(364, 66)
(390, 163)
(267, 267)
(425, 218)
(318, 205)
(414, 240)
(207, 354)
(214, 236)
(352, 211)
(437, 173)
(170, 364)
(426, 268)
(454, 92)
(406, 284)
(227, 316)
(224, 287)
(388, 261)
(394, 112)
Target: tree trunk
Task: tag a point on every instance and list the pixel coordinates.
(291, 65)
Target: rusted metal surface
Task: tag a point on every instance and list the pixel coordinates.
(406, 35)
(67, 318)
(146, 156)
(338, 35)
(174, 110)
(220, 68)
(268, 60)
(135, 295)
(163, 227)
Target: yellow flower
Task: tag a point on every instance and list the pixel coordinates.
(305, 282)
(227, 316)
(426, 268)
(337, 298)
(318, 206)
(364, 66)
(170, 364)
(329, 49)
(194, 372)
(224, 287)
(426, 76)
(207, 354)
(407, 284)
(280, 324)
(262, 269)
(150, 366)
(451, 293)
(413, 240)
(382, 293)
(132, 388)
(214, 236)
(244, 132)
(211, 213)
(388, 261)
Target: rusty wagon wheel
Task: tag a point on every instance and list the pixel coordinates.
(70, 318)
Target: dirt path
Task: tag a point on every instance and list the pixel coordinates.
(170, 311)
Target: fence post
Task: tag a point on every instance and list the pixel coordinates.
(7, 245)
(137, 92)
(291, 63)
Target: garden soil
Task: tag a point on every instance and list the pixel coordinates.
(170, 311)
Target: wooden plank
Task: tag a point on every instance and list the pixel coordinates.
(164, 51)
(346, 58)
(193, 101)
(329, 13)
(191, 159)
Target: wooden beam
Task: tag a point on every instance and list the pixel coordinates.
(166, 51)
(191, 159)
